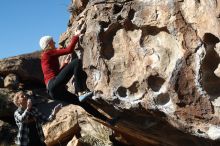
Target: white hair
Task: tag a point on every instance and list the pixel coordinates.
(44, 42)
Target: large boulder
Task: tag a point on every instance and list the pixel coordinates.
(63, 128)
(11, 81)
(152, 63)
(27, 67)
(73, 121)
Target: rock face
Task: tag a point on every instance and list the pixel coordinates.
(155, 62)
(73, 121)
(26, 66)
(63, 127)
(11, 81)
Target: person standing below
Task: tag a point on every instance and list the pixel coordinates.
(28, 120)
(56, 76)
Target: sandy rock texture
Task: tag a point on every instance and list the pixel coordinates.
(154, 63)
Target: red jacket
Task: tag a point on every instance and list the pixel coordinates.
(49, 60)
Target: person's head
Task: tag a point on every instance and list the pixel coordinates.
(20, 99)
(47, 43)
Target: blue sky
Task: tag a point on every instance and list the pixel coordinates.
(23, 22)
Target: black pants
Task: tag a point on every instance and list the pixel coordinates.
(57, 89)
(34, 138)
(56, 84)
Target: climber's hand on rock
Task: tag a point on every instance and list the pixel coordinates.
(77, 32)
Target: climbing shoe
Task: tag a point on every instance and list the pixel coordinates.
(85, 96)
